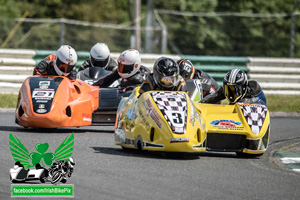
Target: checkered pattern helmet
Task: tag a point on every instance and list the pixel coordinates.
(235, 85)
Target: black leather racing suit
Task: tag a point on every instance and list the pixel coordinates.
(112, 64)
(126, 83)
(209, 85)
(254, 94)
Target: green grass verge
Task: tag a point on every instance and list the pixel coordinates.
(283, 103)
(276, 103)
(8, 100)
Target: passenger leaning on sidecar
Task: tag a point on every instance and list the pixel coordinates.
(130, 70)
(188, 71)
(165, 76)
(99, 57)
(60, 64)
(237, 88)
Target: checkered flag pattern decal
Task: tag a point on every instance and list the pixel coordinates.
(173, 106)
(255, 116)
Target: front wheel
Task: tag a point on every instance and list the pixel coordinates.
(56, 177)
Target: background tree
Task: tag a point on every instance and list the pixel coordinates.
(207, 35)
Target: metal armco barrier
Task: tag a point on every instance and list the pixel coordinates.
(275, 75)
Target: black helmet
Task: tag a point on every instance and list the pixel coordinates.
(186, 68)
(166, 72)
(235, 85)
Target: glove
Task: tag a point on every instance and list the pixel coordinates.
(42, 66)
(72, 75)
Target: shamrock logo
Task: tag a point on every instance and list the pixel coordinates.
(20, 153)
(37, 157)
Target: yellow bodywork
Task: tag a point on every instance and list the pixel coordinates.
(234, 113)
(141, 124)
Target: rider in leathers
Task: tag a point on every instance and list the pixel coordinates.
(236, 88)
(60, 64)
(99, 57)
(165, 76)
(188, 71)
(130, 72)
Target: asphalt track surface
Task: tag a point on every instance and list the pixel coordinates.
(105, 171)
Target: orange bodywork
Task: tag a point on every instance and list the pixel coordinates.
(72, 105)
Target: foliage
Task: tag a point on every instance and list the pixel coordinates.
(8, 9)
(218, 35)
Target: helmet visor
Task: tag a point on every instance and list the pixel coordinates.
(99, 63)
(122, 68)
(64, 67)
(233, 92)
(167, 81)
(185, 75)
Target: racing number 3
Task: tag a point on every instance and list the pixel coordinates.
(177, 118)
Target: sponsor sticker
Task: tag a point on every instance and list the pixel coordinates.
(44, 84)
(87, 119)
(177, 140)
(226, 124)
(43, 94)
(152, 112)
(41, 110)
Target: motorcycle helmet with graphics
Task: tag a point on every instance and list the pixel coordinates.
(235, 85)
(166, 73)
(186, 69)
(129, 63)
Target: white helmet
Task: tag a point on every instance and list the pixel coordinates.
(99, 55)
(65, 60)
(71, 162)
(129, 63)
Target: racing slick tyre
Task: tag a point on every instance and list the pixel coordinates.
(56, 177)
(139, 143)
(246, 155)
